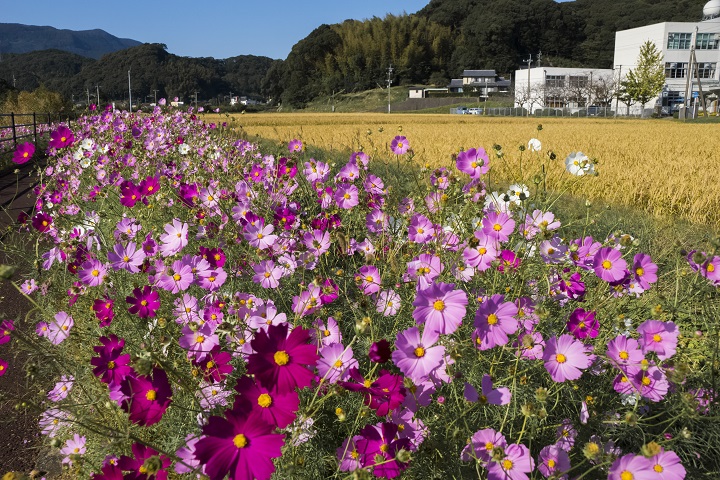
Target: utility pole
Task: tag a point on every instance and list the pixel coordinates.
(529, 62)
(130, 91)
(389, 82)
(13, 79)
(88, 95)
(155, 92)
(196, 100)
(687, 103)
(97, 88)
(617, 89)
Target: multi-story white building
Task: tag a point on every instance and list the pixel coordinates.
(676, 40)
(572, 89)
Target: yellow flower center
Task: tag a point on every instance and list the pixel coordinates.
(264, 400)
(240, 440)
(482, 250)
(710, 267)
(625, 475)
(177, 277)
(497, 227)
(607, 264)
(420, 230)
(210, 364)
(473, 164)
(657, 338)
(367, 383)
(151, 395)
(439, 305)
(267, 274)
(326, 333)
(624, 355)
(551, 463)
(95, 273)
(646, 381)
(200, 339)
(346, 196)
(338, 363)
(143, 303)
(210, 198)
(419, 352)
(507, 464)
(560, 358)
(126, 259)
(211, 279)
(384, 447)
(492, 319)
(639, 271)
(281, 357)
(658, 468)
(489, 446)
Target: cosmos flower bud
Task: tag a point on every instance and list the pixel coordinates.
(650, 449)
(591, 450)
(403, 456)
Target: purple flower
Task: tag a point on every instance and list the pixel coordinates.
(61, 389)
(440, 307)
(494, 321)
(348, 455)
(634, 467)
(565, 358)
(379, 447)
(111, 365)
(129, 194)
(23, 153)
(175, 238)
(609, 264)
(387, 303)
(380, 351)
(421, 230)
(368, 279)
(92, 273)
(482, 444)
(260, 235)
(267, 274)
(41, 222)
(498, 226)
(515, 464)
(415, 356)
(644, 270)
(62, 137)
(73, 446)
(59, 329)
(624, 352)
(146, 397)
(212, 279)
(659, 337)
(346, 196)
(583, 324)
(241, 444)
(335, 361)
(144, 303)
(6, 327)
(276, 409)
(474, 162)
(399, 145)
(651, 383)
(317, 242)
(553, 461)
(128, 258)
(199, 342)
(667, 466)
(295, 145)
(498, 396)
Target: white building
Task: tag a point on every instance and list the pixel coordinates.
(572, 89)
(676, 40)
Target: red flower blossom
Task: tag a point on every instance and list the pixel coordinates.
(147, 397)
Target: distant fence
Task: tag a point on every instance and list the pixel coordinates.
(18, 126)
(592, 112)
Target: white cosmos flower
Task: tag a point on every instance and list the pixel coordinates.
(577, 163)
(534, 145)
(78, 155)
(518, 192)
(86, 144)
(85, 162)
(183, 148)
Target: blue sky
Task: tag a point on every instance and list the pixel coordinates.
(213, 28)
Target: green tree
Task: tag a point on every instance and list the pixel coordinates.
(646, 81)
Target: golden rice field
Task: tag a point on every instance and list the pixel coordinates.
(664, 167)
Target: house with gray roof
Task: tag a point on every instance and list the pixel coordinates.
(479, 81)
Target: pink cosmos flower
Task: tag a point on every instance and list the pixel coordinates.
(388, 303)
(335, 362)
(212, 279)
(399, 145)
(565, 358)
(630, 466)
(424, 269)
(128, 258)
(175, 238)
(348, 173)
(281, 361)
(6, 327)
(609, 264)
(59, 329)
(498, 225)
(494, 321)
(199, 342)
(144, 303)
(295, 145)
(474, 162)
(440, 307)
(659, 337)
(368, 279)
(73, 446)
(308, 301)
(327, 333)
(553, 461)
(566, 435)
(241, 444)
(651, 383)
(146, 397)
(348, 455)
(186, 454)
(62, 388)
(644, 270)
(92, 273)
(23, 153)
(515, 465)
(482, 444)
(267, 274)
(260, 235)
(415, 356)
(481, 255)
(346, 196)
(667, 466)
(624, 352)
(141, 455)
(421, 230)
(583, 324)
(497, 396)
(317, 242)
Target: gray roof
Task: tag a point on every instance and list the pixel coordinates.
(478, 73)
(456, 82)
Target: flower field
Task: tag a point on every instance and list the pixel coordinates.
(202, 305)
(660, 166)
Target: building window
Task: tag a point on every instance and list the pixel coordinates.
(675, 70)
(554, 102)
(679, 41)
(578, 82)
(672, 98)
(555, 81)
(707, 41)
(707, 70)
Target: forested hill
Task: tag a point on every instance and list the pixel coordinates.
(152, 68)
(447, 36)
(18, 38)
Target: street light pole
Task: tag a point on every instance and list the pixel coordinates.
(97, 89)
(130, 91)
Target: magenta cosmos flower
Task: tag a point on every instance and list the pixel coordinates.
(565, 358)
(144, 303)
(23, 153)
(493, 396)
(440, 307)
(474, 162)
(62, 137)
(644, 270)
(379, 446)
(482, 444)
(146, 397)
(399, 145)
(242, 445)
(276, 409)
(295, 145)
(136, 465)
(112, 366)
(382, 395)
(282, 362)
(6, 327)
(415, 356)
(494, 321)
(41, 222)
(368, 279)
(515, 465)
(92, 273)
(583, 324)
(659, 337)
(609, 264)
